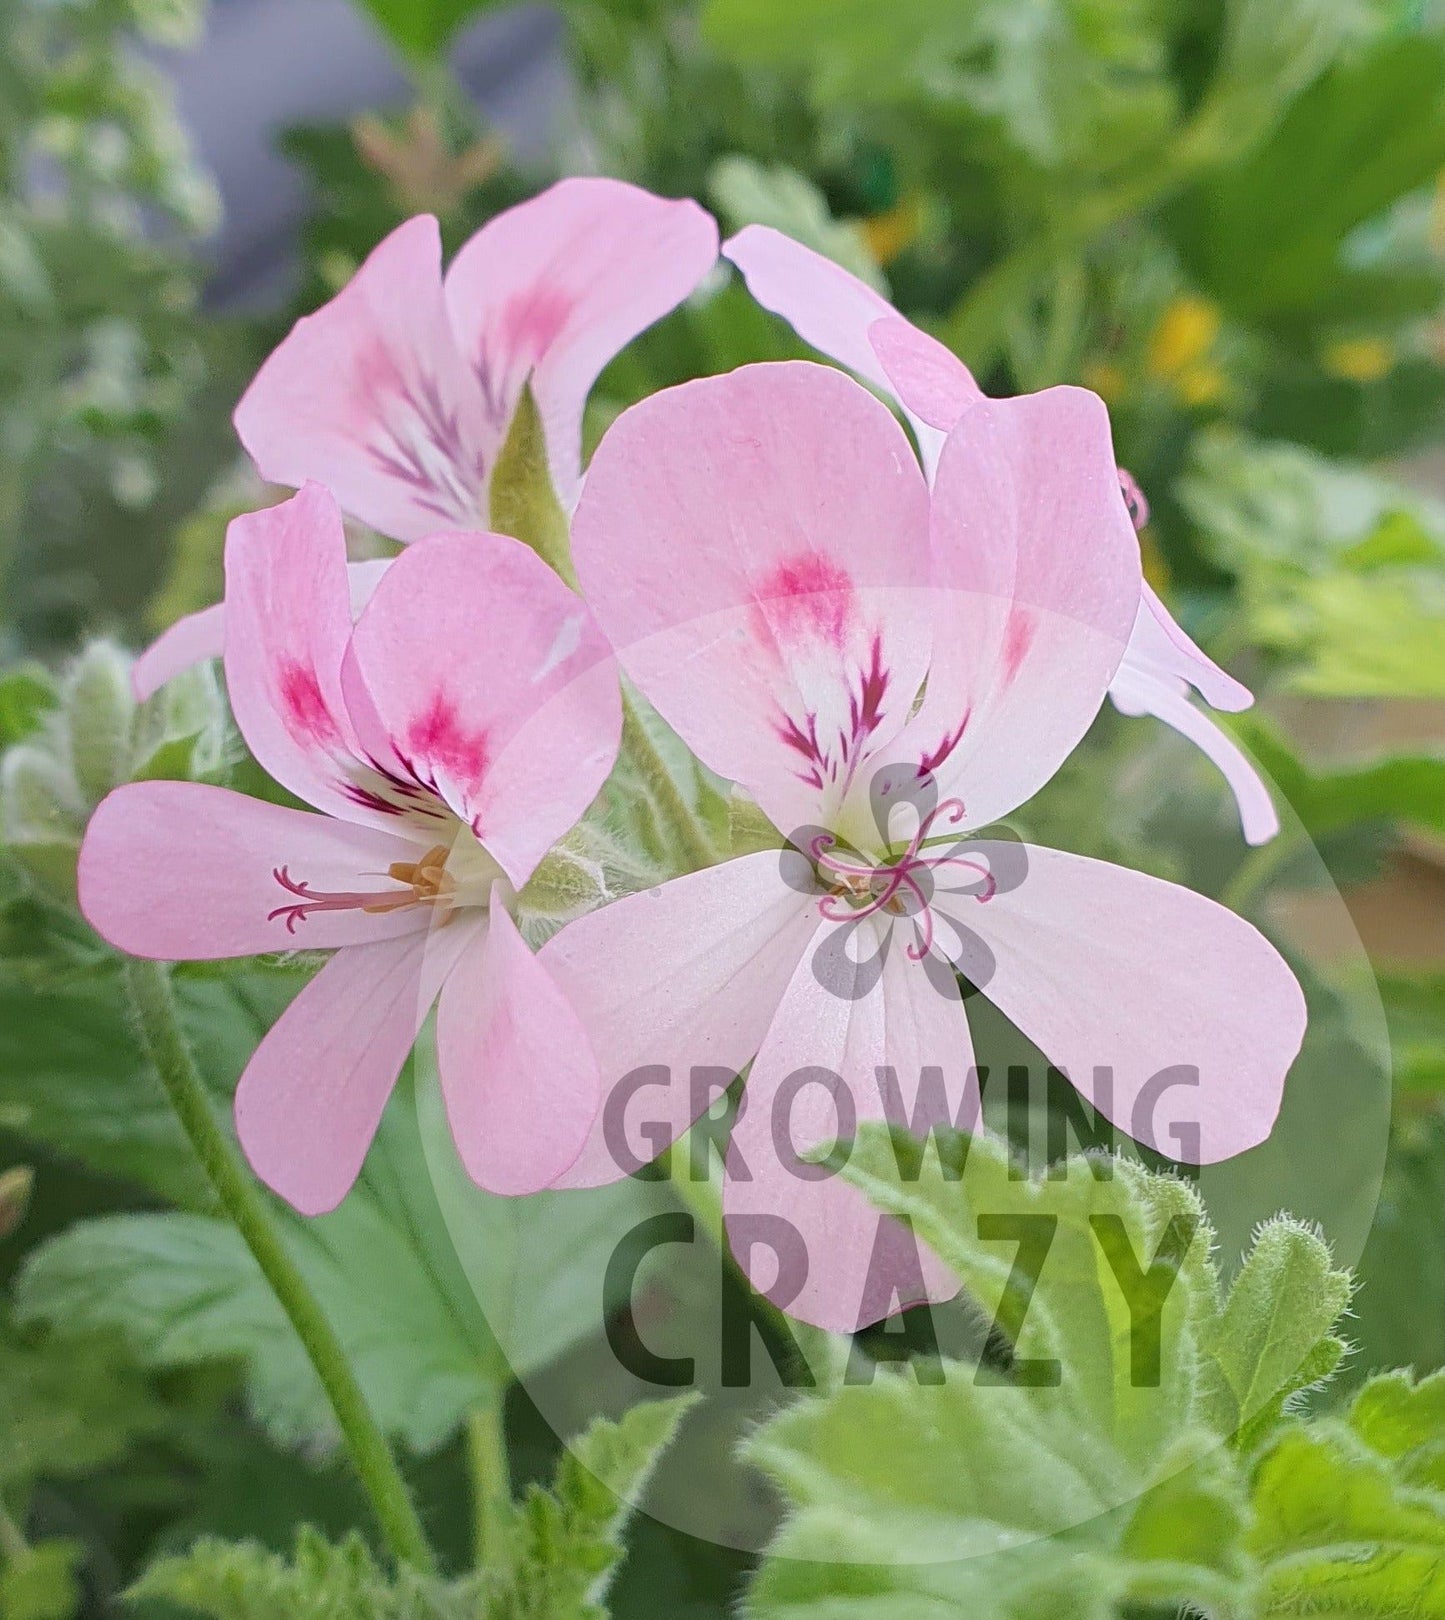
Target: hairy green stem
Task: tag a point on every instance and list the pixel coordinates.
(155, 1009)
(491, 1479)
(681, 823)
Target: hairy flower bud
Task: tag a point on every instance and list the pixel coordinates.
(99, 712)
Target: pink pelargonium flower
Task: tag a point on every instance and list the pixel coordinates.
(767, 559)
(449, 737)
(398, 394)
(850, 322)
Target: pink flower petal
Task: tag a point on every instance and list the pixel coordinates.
(931, 382)
(1037, 569)
(755, 546)
(825, 304)
(189, 641)
(845, 319)
(840, 1051)
(199, 636)
(476, 672)
(308, 1105)
(517, 1072)
(183, 872)
(681, 981)
(370, 396)
(1159, 647)
(288, 621)
(1138, 691)
(1104, 967)
(559, 285)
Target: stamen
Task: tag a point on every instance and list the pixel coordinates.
(427, 882)
(863, 890)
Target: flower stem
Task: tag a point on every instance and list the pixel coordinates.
(150, 992)
(491, 1479)
(679, 818)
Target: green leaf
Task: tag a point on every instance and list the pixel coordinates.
(1073, 1310)
(566, 1543)
(27, 695)
(560, 1547)
(1265, 236)
(534, 1265)
(1400, 787)
(68, 1406)
(1311, 543)
(1095, 1494)
(523, 502)
(1405, 1421)
(183, 1290)
(318, 1582)
(1414, 1005)
(422, 29)
(1274, 1335)
(74, 1078)
(43, 1582)
(1341, 1523)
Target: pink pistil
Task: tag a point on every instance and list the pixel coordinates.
(894, 878)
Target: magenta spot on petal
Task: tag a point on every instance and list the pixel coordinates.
(306, 714)
(1017, 640)
(944, 747)
(532, 321)
(438, 739)
(805, 597)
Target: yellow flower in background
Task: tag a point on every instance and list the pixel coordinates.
(1201, 385)
(1183, 337)
(895, 230)
(1361, 360)
(1107, 379)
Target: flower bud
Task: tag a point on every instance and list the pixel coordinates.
(181, 732)
(99, 712)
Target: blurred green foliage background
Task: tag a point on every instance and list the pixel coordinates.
(1225, 216)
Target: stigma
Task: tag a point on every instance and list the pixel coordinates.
(901, 887)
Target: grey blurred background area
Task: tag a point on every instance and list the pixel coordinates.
(264, 65)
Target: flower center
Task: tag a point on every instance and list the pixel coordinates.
(903, 887)
(446, 877)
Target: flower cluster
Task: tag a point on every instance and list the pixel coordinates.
(886, 642)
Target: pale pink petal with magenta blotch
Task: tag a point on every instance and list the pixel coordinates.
(1036, 586)
(755, 546)
(311, 1098)
(371, 396)
(476, 674)
(288, 621)
(1191, 1013)
(517, 1071)
(183, 872)
(556, 287)
(676, 987)
(862, 1033)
